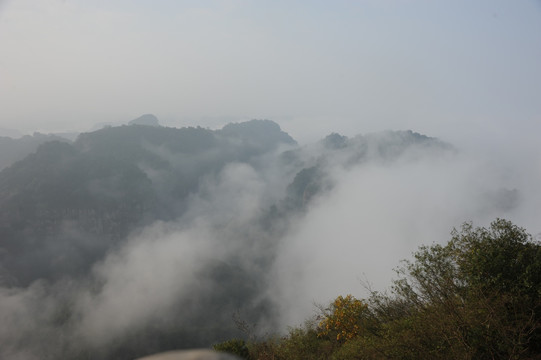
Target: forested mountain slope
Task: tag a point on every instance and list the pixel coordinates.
(162, 235)
(12, 150)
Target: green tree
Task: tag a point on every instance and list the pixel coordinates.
(478, 296)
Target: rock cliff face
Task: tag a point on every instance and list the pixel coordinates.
(147, 119)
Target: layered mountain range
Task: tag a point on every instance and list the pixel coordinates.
(111, 181)
(163, 237)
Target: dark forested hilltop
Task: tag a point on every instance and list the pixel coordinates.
(110, 181)
(15, 149)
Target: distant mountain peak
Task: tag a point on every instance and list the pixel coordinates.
(263, 133)
(146, 119)
(335, 141)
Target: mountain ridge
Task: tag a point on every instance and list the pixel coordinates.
(69, 211)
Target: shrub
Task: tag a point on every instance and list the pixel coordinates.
(477, 297)
(235, 346)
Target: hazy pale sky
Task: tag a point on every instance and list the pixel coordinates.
(444, 68)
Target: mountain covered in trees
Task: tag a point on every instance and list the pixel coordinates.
(15, 149)
(114, 180)
(142, 238)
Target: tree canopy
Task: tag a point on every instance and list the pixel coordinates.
(476, 297)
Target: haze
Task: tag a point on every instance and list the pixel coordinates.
(166, 228)
(448, 69)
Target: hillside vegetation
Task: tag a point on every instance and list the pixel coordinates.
(477, 297)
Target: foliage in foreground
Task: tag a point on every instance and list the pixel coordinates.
(478, 297)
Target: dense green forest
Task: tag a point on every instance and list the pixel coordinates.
(476, 297)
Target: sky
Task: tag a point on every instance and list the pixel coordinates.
(451, 69)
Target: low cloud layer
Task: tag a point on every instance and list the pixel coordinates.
(378, 215)
(239, 251)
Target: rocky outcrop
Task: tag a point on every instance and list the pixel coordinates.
(198, 354)
(147, 119)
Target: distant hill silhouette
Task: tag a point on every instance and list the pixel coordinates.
(14, 149)
(146, 119)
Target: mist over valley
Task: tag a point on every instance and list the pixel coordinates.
(136, 239)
